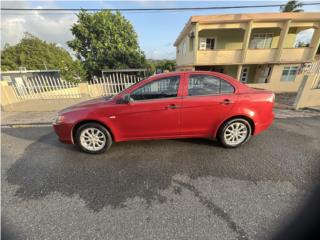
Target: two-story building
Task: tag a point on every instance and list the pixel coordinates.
(262, 49)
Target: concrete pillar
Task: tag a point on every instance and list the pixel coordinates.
(196, 44)
(8, 95)
(246, 41)
(315, 41)
(303, 87)
(83, 89)
(283, 34)
(239, 70)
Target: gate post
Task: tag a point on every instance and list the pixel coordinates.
(301, 89)
(8, 96)
(83, 90)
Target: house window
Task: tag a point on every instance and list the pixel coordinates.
(207, 43)
(289, 74)
(261, 40)
(210, 43)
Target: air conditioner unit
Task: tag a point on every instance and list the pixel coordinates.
(202, 43)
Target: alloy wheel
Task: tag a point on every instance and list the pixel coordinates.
(92, 139)
(235, 133)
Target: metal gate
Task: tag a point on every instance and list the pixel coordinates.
(114, 81)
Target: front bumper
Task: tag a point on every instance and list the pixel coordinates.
(64, 132)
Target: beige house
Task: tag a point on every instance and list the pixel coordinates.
(263, 49)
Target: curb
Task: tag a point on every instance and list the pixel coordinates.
(312, 109)
(27, 125)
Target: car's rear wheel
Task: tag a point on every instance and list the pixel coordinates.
(234, 132)
(93, 138)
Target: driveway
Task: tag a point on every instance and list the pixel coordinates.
(167, 189)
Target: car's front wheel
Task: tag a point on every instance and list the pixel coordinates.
(93, 138)
(234, 132)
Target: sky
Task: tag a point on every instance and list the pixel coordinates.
(156, 31)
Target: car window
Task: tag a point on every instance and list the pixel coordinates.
(226, 87)
(162, 88)
(206, 84)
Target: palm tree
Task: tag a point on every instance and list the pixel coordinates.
(292, 6)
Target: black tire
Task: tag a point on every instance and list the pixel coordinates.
(98, 129)
(227, 125)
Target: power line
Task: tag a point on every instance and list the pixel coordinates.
(153, 9)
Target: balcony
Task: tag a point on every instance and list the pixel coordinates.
(219, 56)
(253, 56)
(296, 54)
(261, 55)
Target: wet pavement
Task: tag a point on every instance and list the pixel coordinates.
(166, 189)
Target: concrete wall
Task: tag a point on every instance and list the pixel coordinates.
(276, 85)
(231, 70)
(186, 57)
(8, 96)
(308, 96)
(46, 101)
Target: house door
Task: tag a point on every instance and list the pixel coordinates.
(264, 74)
(244, 75)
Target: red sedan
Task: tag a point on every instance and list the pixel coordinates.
(173, 105)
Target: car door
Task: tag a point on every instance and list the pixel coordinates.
(154, 110)
(208, 101)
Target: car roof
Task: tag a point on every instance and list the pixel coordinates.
(190, 72)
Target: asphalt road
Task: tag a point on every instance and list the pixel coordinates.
(167, 189)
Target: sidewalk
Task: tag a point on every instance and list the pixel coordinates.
(25, 118)
(16, 118)
(290, 113)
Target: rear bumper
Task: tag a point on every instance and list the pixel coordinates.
(260, 127)
(64, 132)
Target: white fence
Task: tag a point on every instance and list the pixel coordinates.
(112, 84)
(42, 87)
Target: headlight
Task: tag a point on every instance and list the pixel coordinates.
(59, 119)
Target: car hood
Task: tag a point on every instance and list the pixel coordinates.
(89, 104)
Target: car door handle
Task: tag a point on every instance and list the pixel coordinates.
(172, 106)
(226, 102)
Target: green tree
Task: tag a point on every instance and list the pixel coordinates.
(36, 54)
(162, 65)
(292, 6)
(105, 40)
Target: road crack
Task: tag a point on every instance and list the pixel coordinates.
(216, 210)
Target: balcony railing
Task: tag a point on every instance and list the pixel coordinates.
(261, 55)
(253, 56)
(296, 54)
